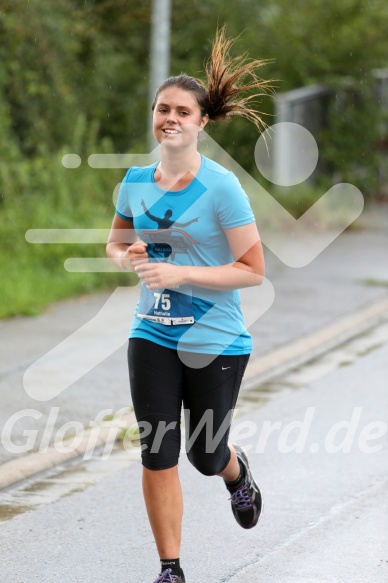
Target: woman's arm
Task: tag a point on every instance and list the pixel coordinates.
(123, 247)
(247, 269)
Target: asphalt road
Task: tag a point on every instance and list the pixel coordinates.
(323, 470)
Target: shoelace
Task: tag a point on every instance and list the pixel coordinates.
(240, 498)
(166, 577)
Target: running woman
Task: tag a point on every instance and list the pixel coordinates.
(185, 226)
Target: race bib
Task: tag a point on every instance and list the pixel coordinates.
(166, 306)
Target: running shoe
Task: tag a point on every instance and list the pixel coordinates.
(167, 577)
(246, 501)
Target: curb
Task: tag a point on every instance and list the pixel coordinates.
(102, 434)
(313, 345)
(258, 370)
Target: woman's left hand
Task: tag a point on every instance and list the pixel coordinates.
(162, 275)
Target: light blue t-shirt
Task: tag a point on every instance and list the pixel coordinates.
(186, 227)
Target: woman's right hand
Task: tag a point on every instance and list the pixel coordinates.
(135, 254)
(123, 247)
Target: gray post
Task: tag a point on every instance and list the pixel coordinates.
(282, 148)
(160, 52)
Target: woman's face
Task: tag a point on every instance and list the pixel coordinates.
(177, 118)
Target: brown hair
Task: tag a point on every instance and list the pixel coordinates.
(228, 80)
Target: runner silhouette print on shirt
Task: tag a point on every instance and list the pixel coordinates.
(168, 240)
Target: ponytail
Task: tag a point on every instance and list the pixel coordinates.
(229, 79)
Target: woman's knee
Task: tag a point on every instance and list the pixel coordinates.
(159, 476)
(209, 464)
(160, 442)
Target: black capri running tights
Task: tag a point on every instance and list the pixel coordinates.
(161, 383)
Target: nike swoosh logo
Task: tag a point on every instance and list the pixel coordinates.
(225, 367)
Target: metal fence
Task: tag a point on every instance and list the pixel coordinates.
(309, 107)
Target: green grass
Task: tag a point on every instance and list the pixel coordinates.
(372, 281)
(39, 194)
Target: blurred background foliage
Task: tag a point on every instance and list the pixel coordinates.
(74, 78)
